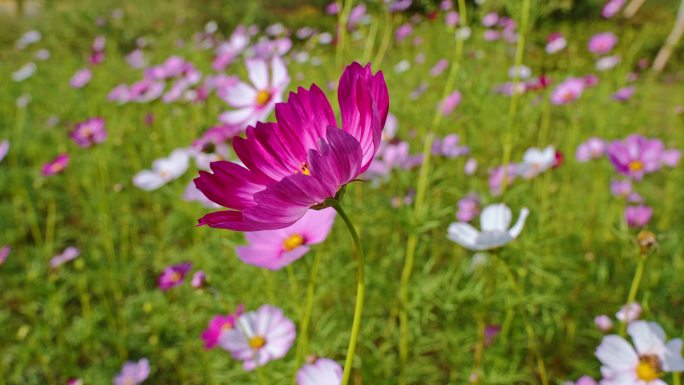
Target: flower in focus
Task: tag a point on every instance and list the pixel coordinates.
(259, 337)
(592, 148)
(568, 91)
(133, 373)
(69, 254)
(302, 160)
(629, 312)
(81, 78)
(494, 221)
(173, 275)
(638, 216)
(468, 208)
(636, 155)
(603, 323)
(645, 362)
(535, 161)
(555, 42)
(220, 324)
(275, 249)
(255, 102)
(163, 171)
(89, 132)
(4, 253)
(4, 149)
(602, 43)
(323, 371)
(56, 166)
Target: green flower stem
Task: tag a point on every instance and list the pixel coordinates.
(303, 340)
(345, 10)
(676, 379)
(636, 281)
(384, 43)
(360, 289)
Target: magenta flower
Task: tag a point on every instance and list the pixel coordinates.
(255, 102)
(4, 253)
(452, 101)
(133, 373)
(275, 249)
(218, 325)
(568, 91)
(592, 148)
(638, 216)
(74, 381)
(302, 160)
(260, 336)
(636, 155)
(56, 166)
(623, 94)
(333, 8)
(89, 132)
(173, 275)
(4, 149)
(81, 78)
(323, 371)
(602, 43)
(69, 254)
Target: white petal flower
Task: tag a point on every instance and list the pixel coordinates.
(535, 161)
(163, 170)
(494, 220)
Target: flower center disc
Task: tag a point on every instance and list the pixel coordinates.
(636, 165)
(293, 242)
(263, 97)
(257, 342)
(648, 368)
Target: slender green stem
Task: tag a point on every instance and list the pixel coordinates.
(676, 379)
(345, 9)
(636, 281)
(303, 339)
(384, 43)
(360, 289)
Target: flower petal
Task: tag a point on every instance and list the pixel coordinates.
(464, 234)
(616, 353)
(496, 217)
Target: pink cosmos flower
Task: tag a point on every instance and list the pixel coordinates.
(89, 132)
(603, 323)
(584, 380)
(568, 91)
(611, 8)
(446, 107)
(592, 148)
(356, 15)
(275, 249)
(638, 216)
(602, 43)
(555, 42)
(145, 90)
(69, 254)
(670, 158)
(4, 253)
(323, 371)
(452, 19)
(199, 279)
(56, 166)
(399, 5)
(4, 149)
(449, 147)
(259, 337)
(192, 194)
(302, 160)
(629, 312)
(636, 156)
(173, 275)
(468, 208)
(136, 59)
(624, 94)
(496, 178)
(491, 35)
(470, 166)
(621, 187)
(81, 78)
(403, 31)
(439, 67)
(255, 102)
(590, 80)
(133, 373)
(332, 8)
(490, 19)
(218, 325)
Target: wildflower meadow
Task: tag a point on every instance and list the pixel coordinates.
(307, 192)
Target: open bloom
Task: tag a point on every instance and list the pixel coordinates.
(56, 166)
(323, 371)
(89, 132)
(535, 161)
(602, 43)
(133, 373)
(259, 337)
(494, 220)
(255, 102)
(218, 325)
(163, 171)
(303, 159)
(641, 364)
(275, 249)
(636, 155)
(568, 91)
(173, 275)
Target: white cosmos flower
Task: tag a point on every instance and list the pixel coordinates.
(163, 170)
(535, 161)
(641, 364)
(494, 220)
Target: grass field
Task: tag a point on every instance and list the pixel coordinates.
(430, 304)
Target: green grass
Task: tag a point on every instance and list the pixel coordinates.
(574, 260)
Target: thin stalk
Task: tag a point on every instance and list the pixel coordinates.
(360, 289)
(384, 43)
(306, 316)
(345, 9)
(676, 379)
(672, 40)
(636, 281)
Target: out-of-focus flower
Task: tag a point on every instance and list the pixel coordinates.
(173, 275)
(568, 91)
(490, 333)
(24, 72)
(520, 72)
(607, 62)
(218, 325)
(602, 43)
(491, 35)
(670, 158)
(403, 31)
(4, 149)
(536, 161)
(323, 371)
(463, 33)
(356, 15)
(494, 221)
(643, 363)
(584, 380)
(260, 336)
(638, 216)
(636, 156)
(611, 8)
(500, 176)
(136, 59)
(439, 67)
(4, 253)
(42, 54)
(89, 132)
(490, 19)
(56, 166)
(402, 66)
(192, 194)
(590, 80)
(74, 381)
(470, 166)
(446, 107)
(399, 5)
(81, 78)
(629, 312)
(603, 323)
(555, 42)
(28, 38)
(133, 373)
(452, 19)
(199, 279)
(592, 148)
(621, 187)
(163, 171)
(332, 8)
(69, 254)
(449, 147)
(468, 208)
(275, 249)
(624, 94)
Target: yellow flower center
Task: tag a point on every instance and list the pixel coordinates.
(227, 326)
(568, 97)
(257, 342)
(175, 277)
(293, 242)
(648, 368)
(304, 169)
(636, 165)
(263, 97)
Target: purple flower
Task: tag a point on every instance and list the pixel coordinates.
(332, 8)
(133, 373)
(199, 279)
(4, 149)
(592, 148)
(602, 43)
(356, 15)
(74, 381)
(490, 333)
(323, 371)
(69, 254)
(568, 91)
(607, 62)
(56, 166)
(275, 249)
(636, 155)
(638, 216)
(81, 78)
(623, 94)
(260, 336)
(173, 275)
(496, 178)
(468, 208)
(89, 132)
(218, 325)
(450, 102)
(399, 5)
(4, 253)
(448, 147)
(491, 35)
